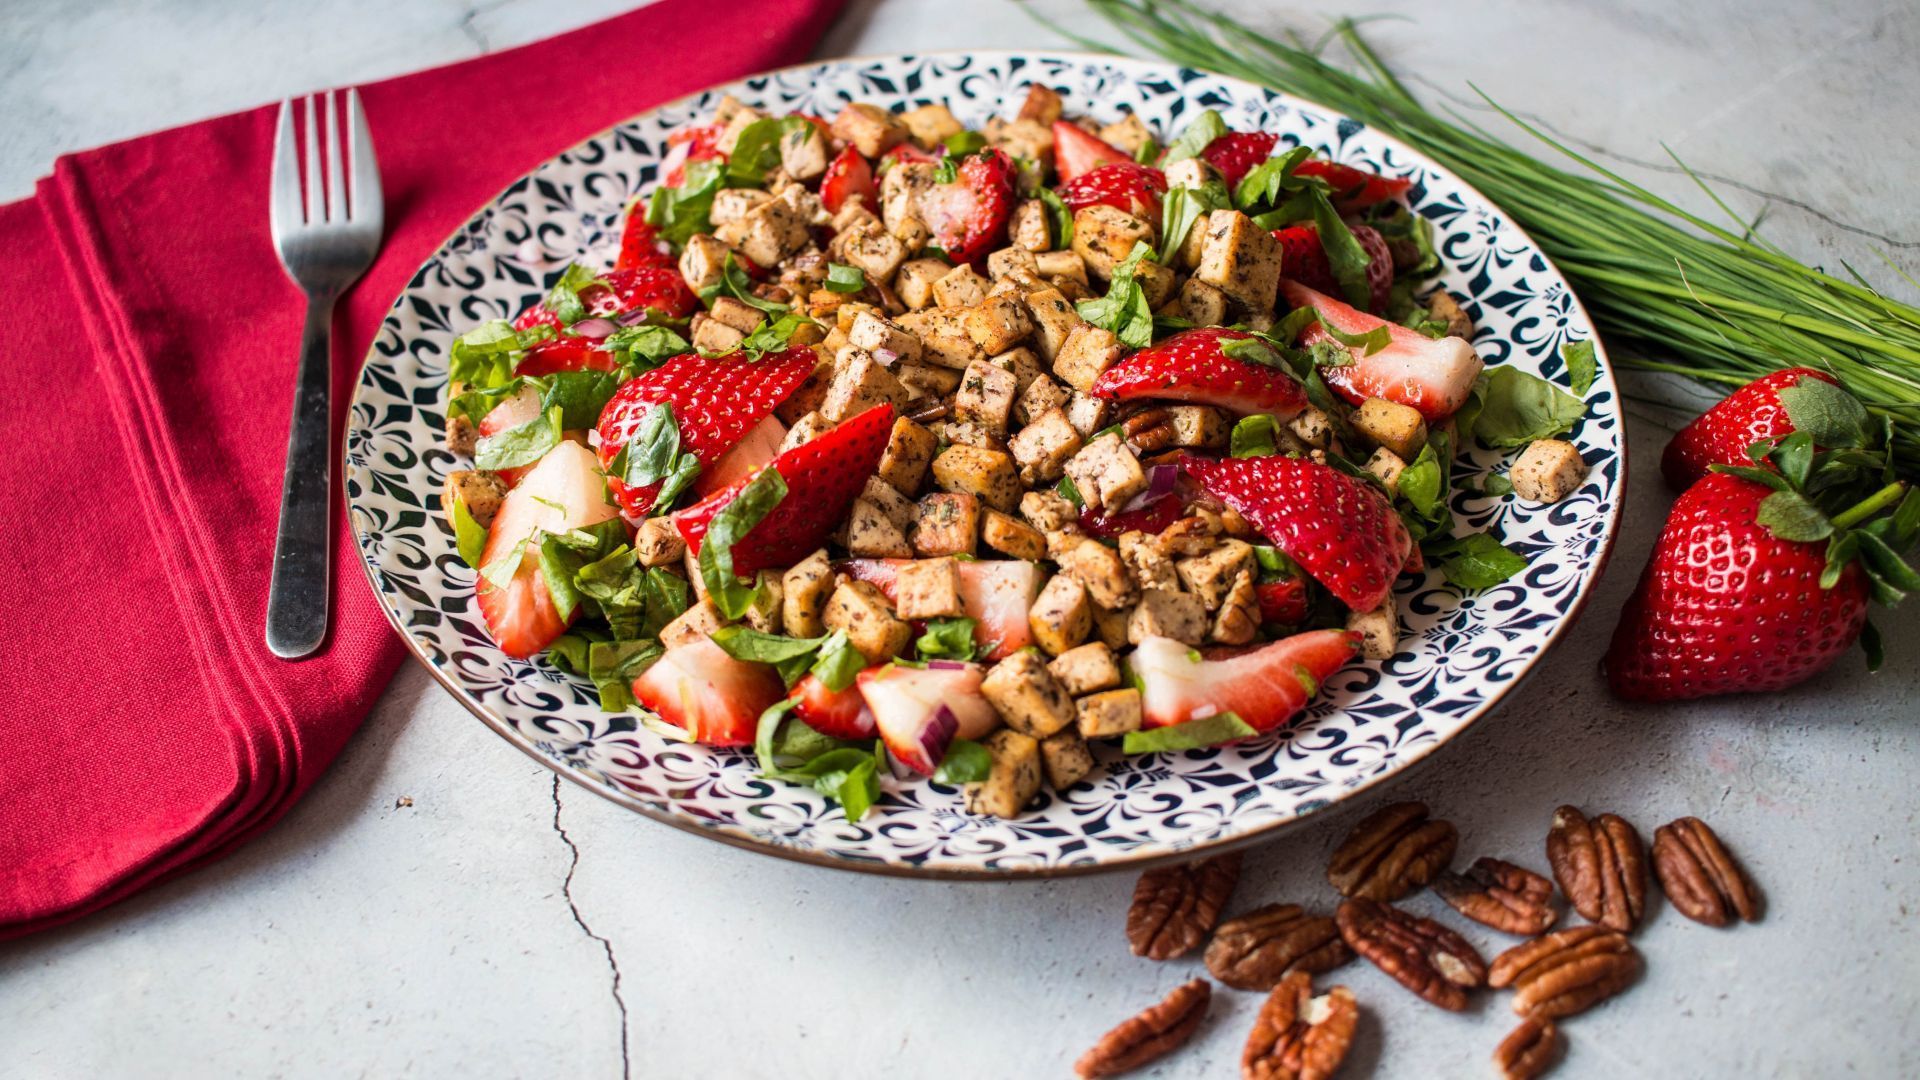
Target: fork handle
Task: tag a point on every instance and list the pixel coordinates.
(297, 599)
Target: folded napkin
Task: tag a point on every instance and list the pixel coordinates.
(150, 364)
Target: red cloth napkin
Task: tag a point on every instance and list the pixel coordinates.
(150, 371)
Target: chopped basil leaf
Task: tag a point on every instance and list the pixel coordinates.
(1184, 207)
(484, 357)
(946, 170)
(1582, 365)
(1272, 181)
(1212, 730)
(1254, 436)
(563, 299)
(1368, 343)
(569, 653)
(1497, 485)
(613, 665)
(469, 536)
(1148, 150)
(1327, 353)
(579, 395)
(790, 656)
(521, 445)
(642, 348)
(1830, 415)
(1421, 483)
(634, 600)
(772, 337)
(1059, 218)
(1515, 408)
(839, 662)
(652, 455)
(1253, 350)
(680, 212)
(564, 555)
(757, 152)
(967, 762)
(499, 573)
(1344, 253)
(961, 143)
(735, 520)
(1124, 310)
(947, 639)
(1475, 561)
(1274, 563)
(844, 278)
(1395, 221)
(734, 282)
(1196, 137)
(1069, 492)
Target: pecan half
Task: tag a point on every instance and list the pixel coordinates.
(1566, 972)
(1149, 431)
(1252, 951)
(1393, 851)
(1508, 898)
(1298, 1036)
(1160, 1029)
(1601, 867)
(1701, 879)
(1175, 906)
(1422, 955)
(1529, 1050)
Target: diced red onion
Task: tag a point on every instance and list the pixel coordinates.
(635, 317)
(938, 733)
(887, 357)
(948, 665)
(1161, 482)
(594, 328)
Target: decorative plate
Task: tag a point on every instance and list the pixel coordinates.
(1459, 655)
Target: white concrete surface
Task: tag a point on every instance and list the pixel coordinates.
(501, 925)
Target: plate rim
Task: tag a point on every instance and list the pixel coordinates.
(1019, 872)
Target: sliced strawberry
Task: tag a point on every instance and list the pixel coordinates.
(564, 490)
(1433, 376)
(1124, 185)
(621, 292)
(1265, 686)
(1076, 151)
(823, 475)
(1339, 529)
(1353, 189)
(758, 446)
(920, 711)
(713, 698)
(564, 352)
(640, 243)
(848, 175)
(688, 145)
(1283, 602)
(1191, 366)
(715, 401)
(997, 594)
(842, 714)
(1305, 261)
(521, 408)
(906, 154)
(968, 218)
(1156, 515)
(1237, 152)
(1721, 435)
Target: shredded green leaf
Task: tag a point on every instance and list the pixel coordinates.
(735, 520)
(1223, 727)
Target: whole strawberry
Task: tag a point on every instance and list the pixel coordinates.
(1721, 435)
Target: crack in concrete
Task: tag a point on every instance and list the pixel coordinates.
(613, 965)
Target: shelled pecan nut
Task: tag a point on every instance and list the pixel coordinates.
(1494, 893)
(1566, 972)
(1529, 1050)
(1422, 955)
(1149, 431)
(1175, 906)
(1393, 851)
(1701, 879)
(1160, 1029)
(1298, 1036)
(1601, 867)
(1253, 951)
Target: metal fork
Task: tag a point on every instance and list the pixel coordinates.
(325, 246)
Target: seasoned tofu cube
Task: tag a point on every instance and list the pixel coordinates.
(1061, 616)
(909, 451)
(1040, 396)
(926, 383)
(806, 429)
(692, 572)
(1009, 259)
(738, 314)
(1240, 259)
(959, 287)
(803, 592)
(716, 338)
(764, 612)
(1023, 364)
(1054, 265)
(1042, 103)
(875, 251)
(1086, 668)
(1198, 426)
(803, 153)
(929, 125)
(871, 534)
(987, 474)
(999, 323)
(462, 437)
(1128, 133)
(1192, 173)
(1442, 306)
(1110, 627)
(948, 524)
(1151, 568)
(915, 280)
(1379, 630)
(1099, 568)
(738, 120)
(853, 211)
(928, 589)
(1203, 303)
(1014, 778)
(859, 609)
(1104, 235)
(1397, 427)
(480, 492)
(734, 204)
(1048, 511)
(1062, 540)
(966, 433)
(1028, 226)
(1109, 713)
(729, 107)
(1209, 576)
(873, 333)
(1043, 447)
(986, 396)
(1106, 473)
(693, 625)
(1238, 619)
(943, 337)
(861, 383)
(1163, 613)
(1010, 536)
(775, 230)
(1026, 696)
(1312, 427)
(1388, 466)
(1028, 139)
(871, 129)
(657, 543)
(900, 192)
(1088, 351)
(1157, 282)
(1548, 470)
(889, 500)
(1065, 757)
(1054, 319)
(1088, 414)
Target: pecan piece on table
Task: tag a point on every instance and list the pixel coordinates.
(1701, 879)
(1566, 972)
(1252, 951)
(1298, 1036)
(1601, 867)
(1393, 851)
(1508, 898)
(1529, 1050)
(1422, 955)
(1161, 1029)
(1175, 906)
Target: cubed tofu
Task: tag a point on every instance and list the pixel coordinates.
(900, 191)
(989, 475)
(658, 543)
(1023, 364)
(1128, 133)
(1054, 265)
(889, 500)
(1099, 568)
(1054, 320)
(1088, 351)
(775, 230)
(1168, 614)
(967, 433)
(1442, 306)
(1312, 427)
(998, 323)
(1061, 616)
(738, 120)
(480, 492)
(803, 154)
(1397, 427)
(985, 397)
(1238, 619)
(462, 436)
(693, 625)
(915, 280)
(1025, 694)
(1109, 713)
(871, 129)
(1042, 104)
(1061, 541)
(1048, 511)
(1106, 473)
(1240, 259)
(805, 430)
(703, 261)
(910, 449)
(1203, 303)
(1104, 235)
(859, 609)
(738, 314)
(691, 567)
(1159, 283)
(875, 251)
(1379, 630)
(959, 287)
(1151, 568)
(854, 211)
(926, 383)
(1010, 536)
(1028, 226)
(929, 125)
(734, 204)
(1192, 173)
(765, 611)
(1043, 447)
(729, 107)
(1548, 470)
(803, 592)
(1088, 414)
(948, 524)
(1084, 669)
(928, 589)
(1014, 778)
(1066, 758)
(1008, 259)
(1110, 627)
(1388, 466)
(1041, 395)
(1209, 576)
(873, 333)
(861, 383)
(1028, 139)
(716, 338)
(873, 535)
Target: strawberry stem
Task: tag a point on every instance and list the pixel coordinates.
(1870, 505)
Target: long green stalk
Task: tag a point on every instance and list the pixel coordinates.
(1681, 293)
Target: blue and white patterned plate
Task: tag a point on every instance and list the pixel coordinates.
(1459, 654)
